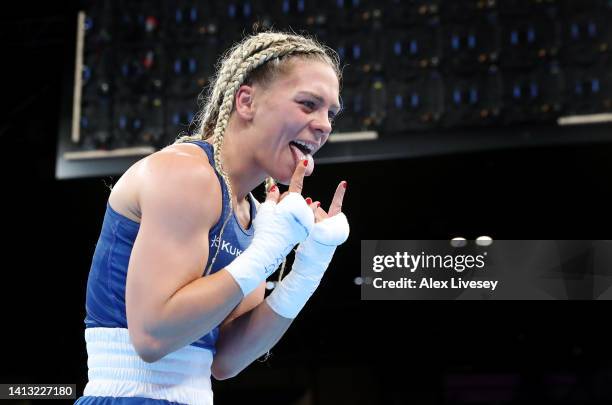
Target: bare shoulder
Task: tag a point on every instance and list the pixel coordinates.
(181, 178)
(178, 176)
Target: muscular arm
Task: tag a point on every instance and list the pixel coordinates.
(247, 333)
(244, 339)
(247, 337)
(168, 302)
(169, 305)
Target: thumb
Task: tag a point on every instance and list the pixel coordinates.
(332, 231)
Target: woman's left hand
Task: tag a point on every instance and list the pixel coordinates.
(335, 207)
(312, 257)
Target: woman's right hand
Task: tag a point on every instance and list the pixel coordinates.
(290, 204)
(280, 224)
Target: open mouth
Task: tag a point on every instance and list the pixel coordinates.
(305, 149)
(302, 152)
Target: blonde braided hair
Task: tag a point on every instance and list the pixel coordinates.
(257, 59)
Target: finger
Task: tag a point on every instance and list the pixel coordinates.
(310, 203)
(336, 204)
(297, 180)
(320, 214)
(313, 206)
(272, 194)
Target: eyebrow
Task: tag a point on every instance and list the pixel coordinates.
(320, 99)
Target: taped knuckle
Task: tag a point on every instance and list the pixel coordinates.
(297, 212)
(332, 231)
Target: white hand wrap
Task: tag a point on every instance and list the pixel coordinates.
(278, 228)
(311, 260)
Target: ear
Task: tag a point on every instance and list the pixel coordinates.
(244, 102)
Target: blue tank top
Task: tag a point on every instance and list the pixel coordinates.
(105, 299)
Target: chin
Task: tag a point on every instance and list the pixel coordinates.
(281, 176)
(284, 182)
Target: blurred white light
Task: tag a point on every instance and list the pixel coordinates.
(484, 241)
(458, 242)
(358, 281)
(270, 285)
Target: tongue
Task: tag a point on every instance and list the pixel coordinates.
(299, 155)
(310, 167)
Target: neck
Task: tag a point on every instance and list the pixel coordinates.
(242, 170)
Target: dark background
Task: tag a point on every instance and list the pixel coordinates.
(340, 349)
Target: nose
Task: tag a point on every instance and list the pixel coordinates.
(321, 124)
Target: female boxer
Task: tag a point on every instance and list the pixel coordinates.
(176, 287)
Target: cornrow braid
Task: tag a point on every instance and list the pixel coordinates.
(235, 70)
(229, 67)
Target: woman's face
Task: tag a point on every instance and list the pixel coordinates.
(296, 108)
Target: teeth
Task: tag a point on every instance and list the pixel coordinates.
(304, 144)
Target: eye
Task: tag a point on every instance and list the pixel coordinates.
(310, 104)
